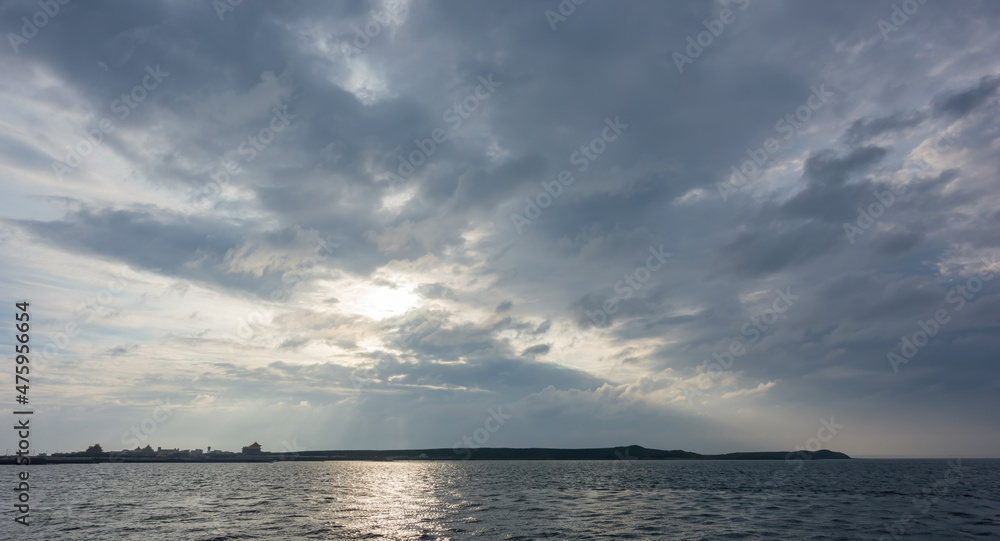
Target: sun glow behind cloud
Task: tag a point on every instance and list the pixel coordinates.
(376, 302)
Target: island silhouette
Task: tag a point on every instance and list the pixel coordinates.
(254, 453)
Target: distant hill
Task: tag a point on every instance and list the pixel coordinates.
(631, 452)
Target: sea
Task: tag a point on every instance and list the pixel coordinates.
(675, 500)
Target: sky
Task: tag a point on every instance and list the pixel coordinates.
(712, 226)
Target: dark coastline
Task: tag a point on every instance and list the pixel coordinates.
(633, 452)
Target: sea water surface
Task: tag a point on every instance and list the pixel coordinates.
(674, 500)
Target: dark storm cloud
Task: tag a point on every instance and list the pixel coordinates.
(437, 291)
(151, 240)
(962, 102)
(432, 335)
(513, 378)
(536, 351)
(510, 376)
(294, 344)
(897, 242)
(864, 129)
(155, 240)
(808, 225)
(827, 195)
(768, 251)
(827, 168)
(122, 350)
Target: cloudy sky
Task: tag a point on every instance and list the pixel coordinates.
(319, 225)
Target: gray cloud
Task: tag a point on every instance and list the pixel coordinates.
(864, 129)
(962, 102)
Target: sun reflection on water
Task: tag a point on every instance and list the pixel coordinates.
(394, 500)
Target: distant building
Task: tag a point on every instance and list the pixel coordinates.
(252, 449)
